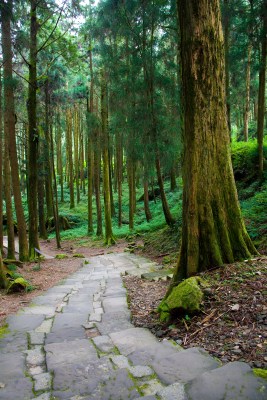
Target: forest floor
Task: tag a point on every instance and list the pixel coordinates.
(231, 326)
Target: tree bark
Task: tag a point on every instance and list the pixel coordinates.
(261, 93)
(59, 156)
(247, 103)
(226, 25)
(33, 136)
(69, 156)
(119, 166)
(213, 231)
(76, 135)
(146, 201)
(9, 127)
(1, 167)
(8, 200)
(109, 238)
(47, 153)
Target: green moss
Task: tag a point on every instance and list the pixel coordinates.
(187, 296)
(61, 256)
(78, 255)
(262, 373)
(18, 285)
(4, 330)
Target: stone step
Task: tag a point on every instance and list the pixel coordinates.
(234, 380)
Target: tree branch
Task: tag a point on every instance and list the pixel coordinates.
(44, 45)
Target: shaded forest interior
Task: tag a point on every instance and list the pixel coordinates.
(91, 119)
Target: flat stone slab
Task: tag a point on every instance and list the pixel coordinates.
(140, 371)
(119, 387)
(120, 361)
(95, 317)
(36, 309)
(131, 339)
(104, 343)
(182, 366)
(175, 391)
(36, 338)
(42, 382)
(24, 322)
(35, 357)
(45, 326)
(232, 381)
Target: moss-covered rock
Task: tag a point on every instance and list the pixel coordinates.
(262, 373)
(186, 297)
(18, 285)
(61, 256)
(78, 255)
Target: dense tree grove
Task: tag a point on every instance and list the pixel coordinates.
(100, 96)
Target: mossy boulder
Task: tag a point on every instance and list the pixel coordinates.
(184, 298)
(78, 255)
(61, 256)
(19, 284)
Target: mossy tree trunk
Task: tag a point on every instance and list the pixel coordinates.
(8, 200)
(109, 238)
(69, 156)
(97, 173)
(59, 156)
(76, 134)
(131, 183)
(213, 231)
(1, 167)
(247, 98)
(261, 93)
(33, 136)
(119, 166)
(226, 26)
(146, 201)
(9, 127)
(3, 279)
(41, 191)
(47, 153)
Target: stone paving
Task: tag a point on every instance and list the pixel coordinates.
(76, 342)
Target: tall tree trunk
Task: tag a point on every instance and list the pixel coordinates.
(173, 179)
(247, 103)
(113, 211)
(167, 214)
(213, 231)
(9, 119)
(41, 191)
(130, 174)
(69, 156)
(226, 25)
(261, 94)
(47, 152)
(76, 135)
(109, 238)
(146, 201)
(55, 197)
(59, 156)
(8, 200)
(33, 136)
(90, 153)
(97, 173)
(119, 166)
(3, 278)
(1, 167)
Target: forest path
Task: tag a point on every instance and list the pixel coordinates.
(76, 342)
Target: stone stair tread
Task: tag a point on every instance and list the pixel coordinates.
(234, 380)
